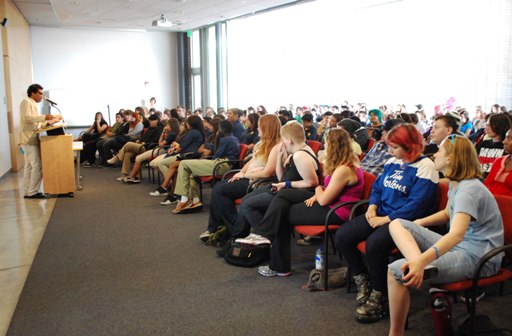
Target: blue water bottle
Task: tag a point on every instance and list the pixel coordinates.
(319, 259)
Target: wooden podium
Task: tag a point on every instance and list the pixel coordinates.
(57, 163)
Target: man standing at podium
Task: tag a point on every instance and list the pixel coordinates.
(30, 122)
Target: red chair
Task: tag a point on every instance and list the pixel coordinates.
(327, 230)
(470, 286)
(371, 142)
(315, 145)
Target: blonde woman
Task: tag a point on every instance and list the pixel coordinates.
(297, 167)
(475, 227)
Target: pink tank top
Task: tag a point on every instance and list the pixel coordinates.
(348, 194)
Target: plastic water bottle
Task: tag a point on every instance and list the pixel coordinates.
(319, 259)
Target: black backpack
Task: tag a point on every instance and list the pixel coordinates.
(246, 255)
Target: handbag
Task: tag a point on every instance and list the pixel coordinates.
(246, 255)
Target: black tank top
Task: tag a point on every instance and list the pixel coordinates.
(292, 174)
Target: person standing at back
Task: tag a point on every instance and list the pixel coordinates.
(30, 122)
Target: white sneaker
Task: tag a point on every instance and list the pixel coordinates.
(131, 180)
(253, 239)
(204, 236)
(121, 179)
(268, 272)
(113, 160)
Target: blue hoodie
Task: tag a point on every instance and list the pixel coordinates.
(406, 191)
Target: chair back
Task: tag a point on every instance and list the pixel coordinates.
(243, 151)
(315, 145)
(371, 142)
(442, 196)
(505, 205)
(369, 178)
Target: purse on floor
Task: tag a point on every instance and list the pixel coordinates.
(337, 278)
(246, 255)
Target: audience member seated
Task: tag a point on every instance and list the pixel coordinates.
(167, 137)
(226, 148)
(134, 132)
(324, 125)
(351, 126)
(131, 149)
(373, 162)
(233, 116)
(192, 139)
(223, 210)
(466, 127)
(406, 189)
(205, 151)
(250, 136)
(491, 149)
(309, 129)
(443, 126)
(343, 182)
(499, 180)
(297, 167)
(104, 144)
(91, 136)
(360, 133)
(375, 123)
(475, 227)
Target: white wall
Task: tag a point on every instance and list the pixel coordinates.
(84, 70)
(5, 150)
(328, 51)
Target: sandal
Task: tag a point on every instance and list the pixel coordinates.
(195, 205)
(180, 207)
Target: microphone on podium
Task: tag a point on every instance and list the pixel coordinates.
(50, 101)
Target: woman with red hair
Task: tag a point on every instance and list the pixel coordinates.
(406, 188)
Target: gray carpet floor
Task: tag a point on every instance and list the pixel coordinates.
(113, 261)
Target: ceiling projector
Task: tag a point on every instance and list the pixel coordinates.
(162, 22)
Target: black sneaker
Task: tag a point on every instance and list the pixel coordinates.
(37, 196)
(170, 199)
(159, 192)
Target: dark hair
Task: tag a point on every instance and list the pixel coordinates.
(195, 122)
(500, 123)
(175, 126)
(174, 114)
(120, 114)
(263, 110)
(337, 116)
(102, 119)
(153, 117)
(405, 116)
(34, 88)
(449, 121)
(347, 113)
(225, 128)
(414, 118)
(390, 123)
(254, 118)
(307, 117)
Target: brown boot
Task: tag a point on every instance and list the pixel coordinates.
(363, 288)
(373, 310)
